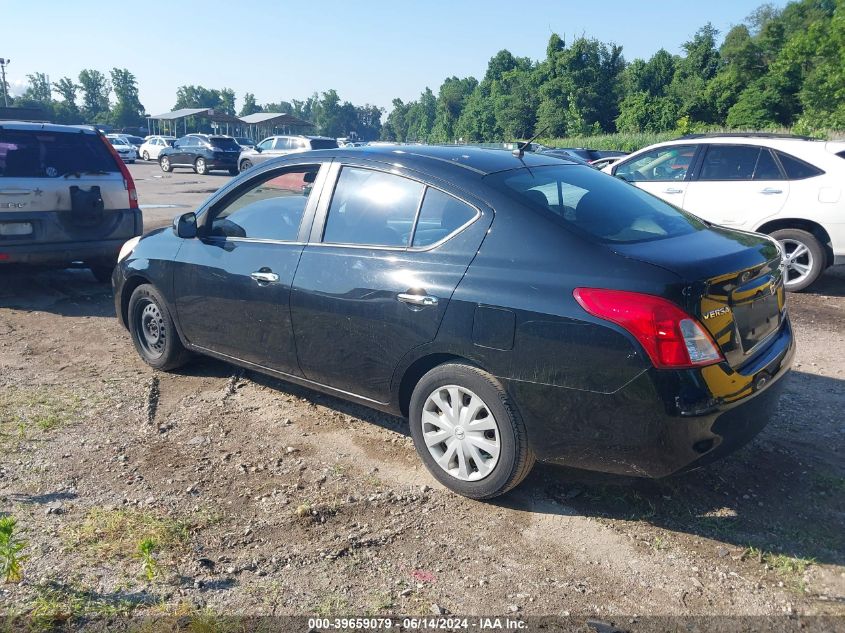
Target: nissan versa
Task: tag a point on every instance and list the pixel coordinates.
(514, 308)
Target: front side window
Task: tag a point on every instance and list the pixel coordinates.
(669, 163)
(590, 203)
(372, 208)
(440, 216)
(267, 143)
(271, 209)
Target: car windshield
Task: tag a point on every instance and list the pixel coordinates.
(117, 141)
(224, 143)
(37, 154)
(323, 143)
(593, 203)
(135, 140)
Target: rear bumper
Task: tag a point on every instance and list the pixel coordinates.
(56, 240)
(660, 423)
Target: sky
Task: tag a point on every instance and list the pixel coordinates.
(370, 51)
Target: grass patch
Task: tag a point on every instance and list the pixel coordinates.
(331, 604)
(117, 533)
(56, 605)
(23, 410)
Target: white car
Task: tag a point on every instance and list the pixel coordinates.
(124, 149)
(153, 145)
(788, 187)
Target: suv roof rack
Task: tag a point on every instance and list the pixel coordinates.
(746, 135)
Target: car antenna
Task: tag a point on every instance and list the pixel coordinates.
(519, 152)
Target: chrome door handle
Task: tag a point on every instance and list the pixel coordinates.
(673, 190)
(769, 191)
(265, 277)
(417, 300)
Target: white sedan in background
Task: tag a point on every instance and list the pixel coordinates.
(153, 145)
(124, 149)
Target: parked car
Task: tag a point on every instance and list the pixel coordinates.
(788, 187)
(128, 139)
(512, 308)
(244, 142)
(152, 146)
(608, 161)
(275, 146)
(587, 154)
(565, 154)
(66, 197)
(202, 153)
(126, 151)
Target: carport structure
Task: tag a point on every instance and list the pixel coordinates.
(168, 123)
(264, 124)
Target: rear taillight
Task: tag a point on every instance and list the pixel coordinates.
(128, 183)
(671, 338)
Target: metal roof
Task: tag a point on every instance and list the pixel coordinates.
(276, 118)
(179, 114)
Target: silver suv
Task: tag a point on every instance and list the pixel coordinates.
(65, 198)
(274, 146)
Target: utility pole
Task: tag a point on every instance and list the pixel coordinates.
(3, 64)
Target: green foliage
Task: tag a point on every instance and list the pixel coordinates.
(146, 551)
(10, 550)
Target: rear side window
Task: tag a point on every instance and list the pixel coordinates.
(797, 169)
(372, 208)
(440, 216)
(323, 143)
(841, 154)
(594, 204)
(39, 154)
(271, 209)
(224, 143)
(767, 168)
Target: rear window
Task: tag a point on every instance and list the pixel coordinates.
(41, 154)
(797, 169)
(224, 143)
(323, 143)
(595, 204)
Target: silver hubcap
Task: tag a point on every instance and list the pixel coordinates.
(200, 165)
(798, 260)
(165, 164)
(461, 433)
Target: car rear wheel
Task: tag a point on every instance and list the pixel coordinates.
(152, 330)
(200, 167)
(245, 164)
(803, 255)
(468, 432)
(164, 163)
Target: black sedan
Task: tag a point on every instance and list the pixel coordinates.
(513, 308)
(202, 153)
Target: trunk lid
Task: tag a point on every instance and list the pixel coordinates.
(733, 284)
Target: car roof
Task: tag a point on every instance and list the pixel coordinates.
(478, 160)
(27, 126)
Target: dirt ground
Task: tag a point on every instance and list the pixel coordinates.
(253, 496)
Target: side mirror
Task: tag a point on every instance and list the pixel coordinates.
(257, 149)
(185, 225)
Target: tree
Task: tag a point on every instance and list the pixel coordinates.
(37, 94)
(453, 95)
(95, 95)
(249, 106)
(227, 101)
(67, 111)
(127, 111)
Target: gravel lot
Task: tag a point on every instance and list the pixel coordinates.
(265, 498)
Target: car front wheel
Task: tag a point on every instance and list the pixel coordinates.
(164, 163)
(804, 258)
(153, 331)
(146, 156)
(468, 431)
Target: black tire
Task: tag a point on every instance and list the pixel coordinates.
(146, 156)
(165, 164)
(102, 272)
(245, 164)
(814, 257)
(160, 346)
(515, 459)
(200, 166)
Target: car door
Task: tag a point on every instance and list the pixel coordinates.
(663, 171)
(736, 185)
(368, 289)
(267, 150)
(180, 151)
(232, 283)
